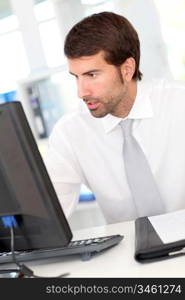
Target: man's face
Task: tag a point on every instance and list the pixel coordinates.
(100, 85)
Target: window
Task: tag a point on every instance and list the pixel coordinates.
(173, 27)
(13, 59)
(96, 6)
(50, 34)
(5, 9)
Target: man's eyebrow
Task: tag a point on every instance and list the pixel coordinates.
(85, 73)
(72, 73)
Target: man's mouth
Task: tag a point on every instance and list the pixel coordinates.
(93, 105)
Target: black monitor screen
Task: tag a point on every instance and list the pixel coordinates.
(26, 191)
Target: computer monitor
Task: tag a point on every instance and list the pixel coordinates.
(26, 191)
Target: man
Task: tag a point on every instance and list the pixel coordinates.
(103, 55)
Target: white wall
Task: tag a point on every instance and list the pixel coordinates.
(145, 18)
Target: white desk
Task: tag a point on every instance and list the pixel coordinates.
(115, 262)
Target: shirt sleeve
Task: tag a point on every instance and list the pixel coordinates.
(63, 170)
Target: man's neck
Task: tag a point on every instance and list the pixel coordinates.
(129, 101)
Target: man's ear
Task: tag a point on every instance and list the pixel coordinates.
(128, 68)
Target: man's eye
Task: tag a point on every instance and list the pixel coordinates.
(92, 75)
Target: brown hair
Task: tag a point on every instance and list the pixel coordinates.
(105, 31)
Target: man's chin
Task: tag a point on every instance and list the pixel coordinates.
(97, 114)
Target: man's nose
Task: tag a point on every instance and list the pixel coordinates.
(83, 90)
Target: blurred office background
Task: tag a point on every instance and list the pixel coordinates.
(33, 68)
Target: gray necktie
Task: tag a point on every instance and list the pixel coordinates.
(142, 185)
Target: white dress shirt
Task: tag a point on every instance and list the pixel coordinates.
(85, 149)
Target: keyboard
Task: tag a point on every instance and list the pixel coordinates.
(85, 248)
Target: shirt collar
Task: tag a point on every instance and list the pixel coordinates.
(141, 109)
